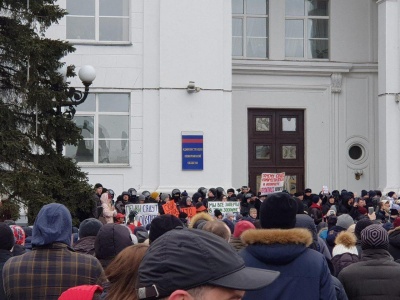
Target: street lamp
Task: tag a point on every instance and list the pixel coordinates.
(75, 97)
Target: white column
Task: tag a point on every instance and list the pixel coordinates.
(388, 90)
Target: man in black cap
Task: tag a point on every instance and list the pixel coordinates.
(281, 247)
(195, 264)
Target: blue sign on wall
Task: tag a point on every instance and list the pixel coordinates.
(192, 151)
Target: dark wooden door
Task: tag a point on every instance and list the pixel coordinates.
(276, 144)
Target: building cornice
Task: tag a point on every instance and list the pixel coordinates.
(310, 68)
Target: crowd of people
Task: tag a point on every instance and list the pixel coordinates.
(325, 245)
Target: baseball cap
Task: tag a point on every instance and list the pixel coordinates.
(182, 259)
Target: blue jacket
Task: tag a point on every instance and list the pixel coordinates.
(304, 272)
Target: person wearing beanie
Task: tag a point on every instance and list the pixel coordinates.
(88, 230)
(372, 277)
(394, 239)
(240, 227)
(162, 224)
(52, 266)
(281, 247)
(360, 225)
(342, 224)
(315, 210)
(19, 236)
(231, 196)
(345, 252)
(6, 244)
(218, 214)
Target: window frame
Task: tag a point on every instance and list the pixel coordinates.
(97, 27)
(243, 16)
(305, 38)
(96, 139)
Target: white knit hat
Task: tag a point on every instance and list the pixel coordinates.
(340, 249)
(345, 243)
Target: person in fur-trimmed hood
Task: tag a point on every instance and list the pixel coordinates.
(345, 252)
(282, 247)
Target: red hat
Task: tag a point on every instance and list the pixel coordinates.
(241, 227)
(119, 215)
(362, 210)
(80, 292)
(396, 222)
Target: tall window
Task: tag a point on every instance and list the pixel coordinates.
(104, 123)
(98, 20)
(250, 28)
(307, 29)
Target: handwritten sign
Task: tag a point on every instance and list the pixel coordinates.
(145, 212)
(272, 183)
(224, 207)
(171, 209)
(190, 211)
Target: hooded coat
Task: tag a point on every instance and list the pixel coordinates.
(52, 266)
(374, 277)
(345, 252)
(304, 270)
(394, 243)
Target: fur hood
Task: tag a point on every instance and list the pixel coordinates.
(346, 239)
(277, 236)
(200, 216)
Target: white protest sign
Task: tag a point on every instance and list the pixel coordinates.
(224, 207)
(272, 183)
(145, 212)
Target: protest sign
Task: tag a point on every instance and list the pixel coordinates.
(145, 212)
(224, 207)
(171, 209)
(190, 211)
(272, 183)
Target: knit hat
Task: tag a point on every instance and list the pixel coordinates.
(163, 196)
(230, 225)
(394, 212)
(345, 243)
(360, 225)
(217, 213)
(396, 222)
(154, 195)
(141, 198)
(344, 221)
(89, 227)
(362, 210)
(7, 240)
(374, 237)
(278, 211)
(19, 234)
(352, 228)
(315, 199)
(184, 194)
(163, 224)
(332, 220)
(229, 214)
(241, 227)
(119, 215)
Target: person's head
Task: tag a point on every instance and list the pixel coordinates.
(307, 192)
(218, 214)
(392, 195)
(253, 213)
(188, 201)
(361, 225)
(278, 211)
(241, 227)
(224, 198)
(120, 218)
(196, 265)
(316, 199)
(230, 216)
(7, 240)
(245, 189)
(164, 197)
(361, 202)
(53, 224)
(125, 196)
(141, 199)
(344, 221)
(218, 228)
(230, 192)
(162, 224)
(123, 272)
(89, 227)
(331, 199)
(374, 237)
(348, 199)
(394, 213)
(98, 187)
(155, 196)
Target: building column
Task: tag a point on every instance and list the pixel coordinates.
(388, 95)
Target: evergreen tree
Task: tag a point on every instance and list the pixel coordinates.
(32, 173)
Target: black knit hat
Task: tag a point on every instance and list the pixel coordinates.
(89, 227)
(7, 240)
(217, 213)
(278, 211)
(315, 199)
(360, 225)
(374, 237)
(163, 224)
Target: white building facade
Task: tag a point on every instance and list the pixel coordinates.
(305, 87)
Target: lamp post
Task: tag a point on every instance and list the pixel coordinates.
(75, 97)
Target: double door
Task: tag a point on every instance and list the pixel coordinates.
(276, 144)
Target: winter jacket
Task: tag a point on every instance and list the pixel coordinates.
(345, 252)
(304, 270)
(4, 256)
(315, 212)
(394, 243)
(374, 277)
(85, 245)
(340, 292)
